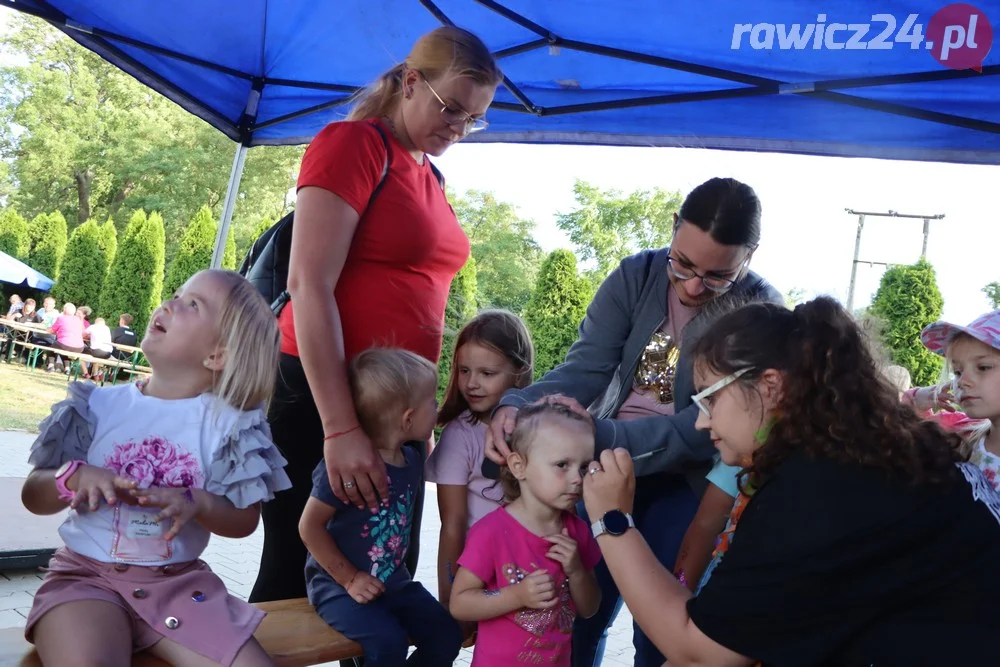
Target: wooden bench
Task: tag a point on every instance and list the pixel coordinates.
(75, 358)
(291, 633)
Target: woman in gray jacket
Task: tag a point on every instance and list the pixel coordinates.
(631, 367)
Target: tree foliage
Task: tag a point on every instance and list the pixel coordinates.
(14, 239)
(194, 252)
(507, 256)
(794, 297)
(109, 242)
(229, 252)
(462, 306)
(556, 308)
(992, 292)
(135, 282)
(607, 226)
(83, 138)
(48, 243)
(907, 300)
(84, 268)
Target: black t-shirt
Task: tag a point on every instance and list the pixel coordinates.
(123, 336)
(836, 565)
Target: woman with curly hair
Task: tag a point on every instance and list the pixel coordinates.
(862, 537)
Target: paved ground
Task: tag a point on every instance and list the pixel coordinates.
(236, 561)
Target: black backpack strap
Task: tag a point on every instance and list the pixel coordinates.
(385, 171)
(385, 167)
(437, 174)
(284, 252)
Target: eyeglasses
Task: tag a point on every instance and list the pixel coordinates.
(714, 283)
(699, 398)
(454, 116)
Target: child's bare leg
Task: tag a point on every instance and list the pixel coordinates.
(85, 632)
(251, 655)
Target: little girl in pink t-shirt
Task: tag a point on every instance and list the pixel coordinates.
(528, 568)
(493, 353)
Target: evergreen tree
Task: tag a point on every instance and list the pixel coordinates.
(135, 282)
(908, 299)
(556, 308)
(992, 292)
(155, 241)
(229, 253)
(14, 238)
(48, 244)
(83, 269)
(109, 242)
(462, 307)
(194, 252)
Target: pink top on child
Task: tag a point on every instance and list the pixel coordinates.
(501, 552)
(457, 460)
(68, 330)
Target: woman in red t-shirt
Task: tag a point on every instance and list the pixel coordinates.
(364, 273)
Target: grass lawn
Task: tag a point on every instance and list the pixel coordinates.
(26, 397)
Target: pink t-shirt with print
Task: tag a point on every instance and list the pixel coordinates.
(501, 552)
(457, 460)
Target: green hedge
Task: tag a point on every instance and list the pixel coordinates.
(135, 282)
(908, 299)
(84, 267)
(556, 308)
(14, 238)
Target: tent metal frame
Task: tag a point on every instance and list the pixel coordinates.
(242, 131)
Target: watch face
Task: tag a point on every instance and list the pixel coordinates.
(615, 522)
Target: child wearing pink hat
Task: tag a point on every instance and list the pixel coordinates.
(973, 352)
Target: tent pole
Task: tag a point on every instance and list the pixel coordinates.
(230, 203)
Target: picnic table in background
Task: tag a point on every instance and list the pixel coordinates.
(20, 335)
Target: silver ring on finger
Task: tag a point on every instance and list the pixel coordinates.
(594, 471)
(348, 485)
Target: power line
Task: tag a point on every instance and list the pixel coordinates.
(857, 242)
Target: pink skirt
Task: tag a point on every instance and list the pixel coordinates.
(185, 602)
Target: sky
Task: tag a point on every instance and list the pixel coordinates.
(807, 237)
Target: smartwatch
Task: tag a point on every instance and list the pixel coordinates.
(63, 474)
(614, 522)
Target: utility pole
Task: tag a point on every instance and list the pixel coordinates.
(857, 243)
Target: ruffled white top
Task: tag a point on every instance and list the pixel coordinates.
(198, 442)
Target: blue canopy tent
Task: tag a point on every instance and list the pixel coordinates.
(768, 75)
(18, 273)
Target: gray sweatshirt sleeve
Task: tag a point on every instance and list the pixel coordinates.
(670, 442)
(594, 358)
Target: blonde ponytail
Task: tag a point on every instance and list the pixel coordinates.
(381, 97)
(447, 49)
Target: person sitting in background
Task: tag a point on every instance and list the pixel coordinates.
(49, 312)
(12, 314)
(28, 314)
(123, 335)
(83, 312)
(15, 306)
(49, 315)
(68, 329)
(99, 345)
